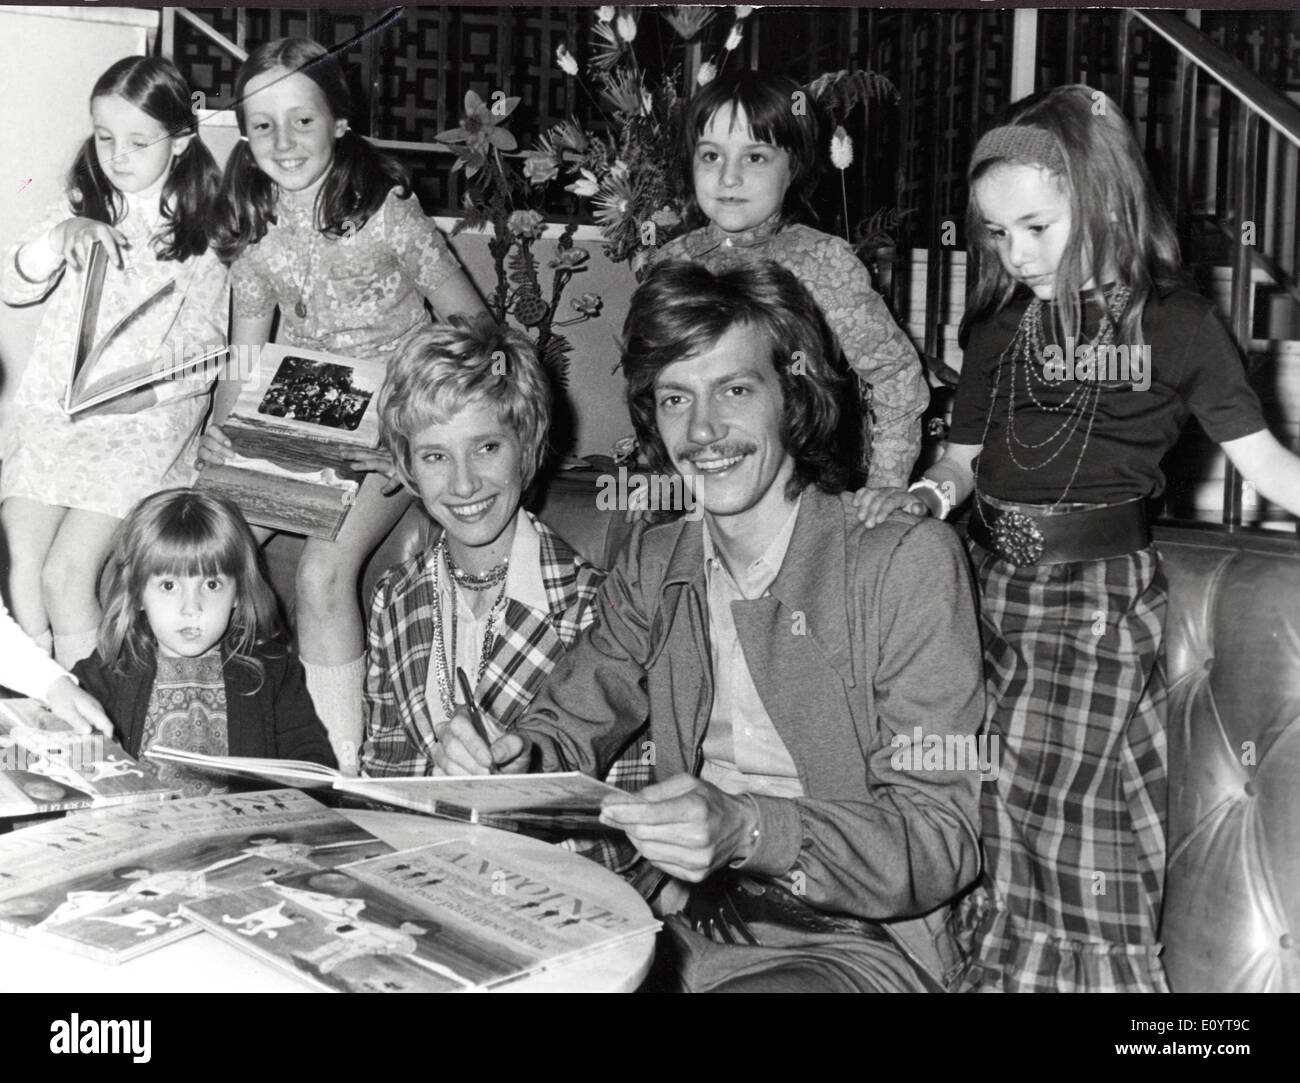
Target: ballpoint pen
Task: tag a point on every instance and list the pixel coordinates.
(475, 715)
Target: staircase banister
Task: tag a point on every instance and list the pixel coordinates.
(1274, 107)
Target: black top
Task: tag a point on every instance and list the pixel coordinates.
(1194, 368)
(270, 716)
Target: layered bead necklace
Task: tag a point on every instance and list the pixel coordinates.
(444, 660)
(1027, 353)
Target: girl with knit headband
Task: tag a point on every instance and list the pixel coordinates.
(1084, 357)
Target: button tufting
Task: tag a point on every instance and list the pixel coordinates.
(1286, 941)
(1250, 788)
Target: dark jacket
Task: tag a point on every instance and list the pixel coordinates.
(273, 717)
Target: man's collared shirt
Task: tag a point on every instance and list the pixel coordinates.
(742, 750)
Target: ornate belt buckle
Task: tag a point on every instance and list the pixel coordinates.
(1017, 538)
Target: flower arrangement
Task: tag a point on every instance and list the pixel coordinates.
(502, 197)
(635, 177)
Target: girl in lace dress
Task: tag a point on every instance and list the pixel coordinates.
(323, 229)
(141, 186)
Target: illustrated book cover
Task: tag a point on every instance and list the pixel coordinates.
(299, 414)
(448, 917)
(87, 386)
(109, 883)
(46, 766)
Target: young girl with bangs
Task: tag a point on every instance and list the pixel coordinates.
(190, 651)
(322, 228)
(753, 160)
(1075, 269)
(141, 185)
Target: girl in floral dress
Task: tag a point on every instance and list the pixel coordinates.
(141, 185)
(323, 228)
(753, 160)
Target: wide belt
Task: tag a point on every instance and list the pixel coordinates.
(1025, 534)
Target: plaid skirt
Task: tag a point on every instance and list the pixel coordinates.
(1073, 824)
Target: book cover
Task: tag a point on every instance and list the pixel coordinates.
(442, 918)
(109, 883)
(46, 766)
(298, 415)
(86, 386)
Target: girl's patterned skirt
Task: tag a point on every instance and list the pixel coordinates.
(1073, 824)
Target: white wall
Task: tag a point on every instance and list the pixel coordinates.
(49, 60)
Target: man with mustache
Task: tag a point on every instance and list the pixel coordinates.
(778, 650)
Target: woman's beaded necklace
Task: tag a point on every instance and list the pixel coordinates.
(444, 660)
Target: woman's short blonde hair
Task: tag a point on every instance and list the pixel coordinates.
(458, 362)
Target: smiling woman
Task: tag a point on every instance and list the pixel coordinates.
(465, 410)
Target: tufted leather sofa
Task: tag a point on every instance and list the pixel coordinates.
(1232, 901)
(1232, 648)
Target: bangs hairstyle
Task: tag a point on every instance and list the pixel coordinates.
(1117, 218)
(682, 309)
(454, 364)
(155, 87)
(358, 179)
(182, 532)
(768, 104)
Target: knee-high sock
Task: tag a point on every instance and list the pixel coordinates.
(71, 649)
(336, 693)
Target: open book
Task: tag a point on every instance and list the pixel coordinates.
(449, 917)
(46, 766)
(298, 416)
(565, 801)
(86, 387)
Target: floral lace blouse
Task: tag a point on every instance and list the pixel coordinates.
(362, 293)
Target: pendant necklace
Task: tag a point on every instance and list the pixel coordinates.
(300, 305)
(444, 660)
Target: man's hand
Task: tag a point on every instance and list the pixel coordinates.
(460, 751)
(874, 506)
(685, 826)
(78, 707)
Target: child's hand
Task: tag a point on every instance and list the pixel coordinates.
(376, 462)
(75, 236)
(215, 448)
(78, 708)
(131, 403)
(876, 505)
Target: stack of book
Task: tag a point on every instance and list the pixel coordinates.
(303, 888)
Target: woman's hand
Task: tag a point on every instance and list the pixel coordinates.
(75, 236)
(874, 506)
(215, 448)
